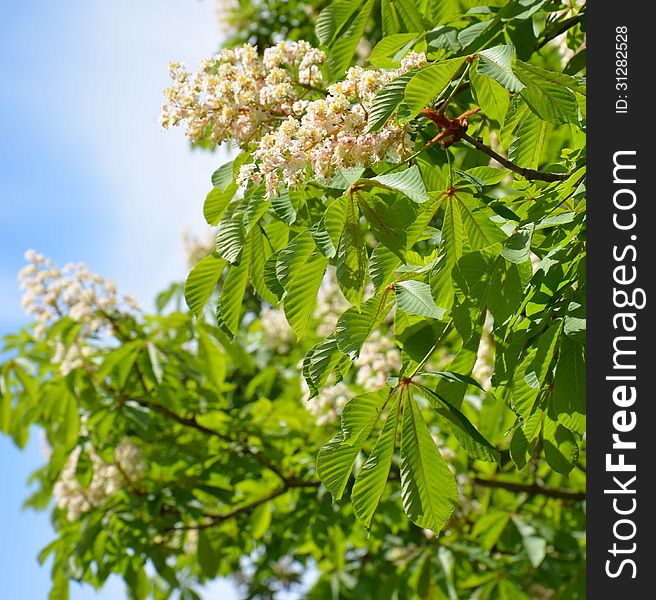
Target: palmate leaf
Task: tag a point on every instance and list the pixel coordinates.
(429, 82)
(414, 297)
(336, 458)
(372, 476)
(408, 182)
(231, 235)
(201, 282)
(387, 100)
(428, 488)
(260, 253)
(461, 427)
(497, 63)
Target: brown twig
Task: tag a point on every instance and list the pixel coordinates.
(533, 489)
(530, 174)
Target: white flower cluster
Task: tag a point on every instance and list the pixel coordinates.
(106, 479)
(277, 335)
(484, 365)
(327, 406)
(332, 133)
(50, 294)
(237, 95)
(378, 359)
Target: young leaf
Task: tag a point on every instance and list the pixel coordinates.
(490, 95)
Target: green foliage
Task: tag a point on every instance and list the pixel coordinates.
(442, 479)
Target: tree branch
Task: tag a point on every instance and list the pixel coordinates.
(533, 489)
(530, 174)
(245, 508)
(551, 33)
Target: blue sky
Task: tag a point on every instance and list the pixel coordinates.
(86, 174)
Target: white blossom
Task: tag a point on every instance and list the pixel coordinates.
(106, 479)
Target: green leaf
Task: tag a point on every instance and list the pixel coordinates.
(497, 63)
(461, 427)
(372, 477)
(382, 265)
(569, 386)
(301, 292)
(531, 375)
(260, 253)
(549, 100)
(260, 520)
(408, 182)
(119, 362)
(283, 207)
(209, 559)
(524, 438)
(213, 359)
(489, 527)
(414, 297)
(291, 259)
(528, 147)
(386, 101)
(347, 36)
(201, 282)
(428, 488)
(336, 458)
(216, 201)
(387, 53)
(230, 237)
(137, 580)
(429, 83)
(223, 176)
(351, 267)
(320, 362)
(560, 448)
(490, 95)
(355, 326)
(332, 19)
(535, 545)
(390, 222)
(232, 295)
